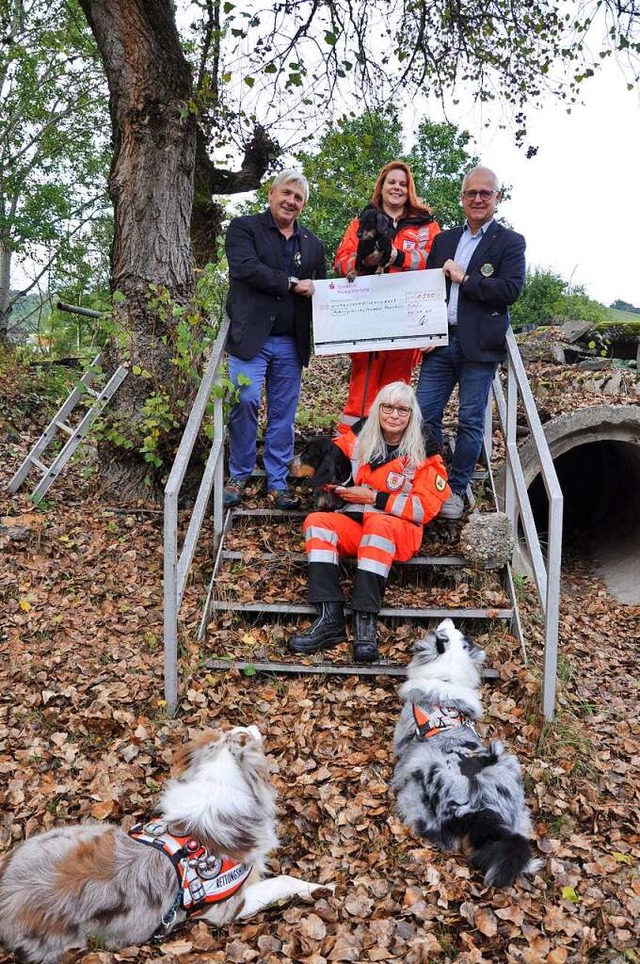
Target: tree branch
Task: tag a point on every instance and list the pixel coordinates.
(260, 152)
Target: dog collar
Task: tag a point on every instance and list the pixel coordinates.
(439, 719)
(203, 878)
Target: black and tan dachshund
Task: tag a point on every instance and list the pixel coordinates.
(374, 236)
(325, 466)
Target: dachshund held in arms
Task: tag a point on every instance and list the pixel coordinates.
(374, 237)
(201, 857)
(451, 788)
(324, 465)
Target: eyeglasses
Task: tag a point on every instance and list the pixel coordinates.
(483, 195)
(402, 411)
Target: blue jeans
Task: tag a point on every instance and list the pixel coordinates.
(441, 370)
(277, 366)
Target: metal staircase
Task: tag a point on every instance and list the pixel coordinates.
(408, 582)
(233, 549)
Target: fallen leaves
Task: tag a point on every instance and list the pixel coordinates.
(83, 734)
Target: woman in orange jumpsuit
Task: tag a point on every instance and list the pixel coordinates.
(400, 483)
(413, 230)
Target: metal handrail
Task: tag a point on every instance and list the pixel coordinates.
(177, 564)
(517, 506)
(516, 503)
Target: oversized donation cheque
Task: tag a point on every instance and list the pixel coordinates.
(380, 312)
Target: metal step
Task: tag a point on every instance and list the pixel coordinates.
(240, 512)
(479, 475)
(300, 609)
(422, 561)
(383, 668)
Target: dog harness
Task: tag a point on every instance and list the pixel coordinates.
(203, 878)
(439, 719)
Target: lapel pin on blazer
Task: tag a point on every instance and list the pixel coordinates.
(486, 270)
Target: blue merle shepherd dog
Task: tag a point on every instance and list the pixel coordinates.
(451, 788)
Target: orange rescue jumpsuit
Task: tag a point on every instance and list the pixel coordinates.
(370, 371)
(391, 529)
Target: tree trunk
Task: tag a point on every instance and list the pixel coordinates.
(151, 186)
(5, 293)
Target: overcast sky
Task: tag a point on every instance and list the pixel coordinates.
(578, 201)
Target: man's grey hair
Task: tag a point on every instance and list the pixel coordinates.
(286, 177)
(371, 444)
(481, 170)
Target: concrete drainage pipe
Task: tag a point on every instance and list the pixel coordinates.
(596, 453)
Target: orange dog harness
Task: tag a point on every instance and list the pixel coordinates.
(203, 878)
(439, 719)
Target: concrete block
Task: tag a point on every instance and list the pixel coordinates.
(486, 540)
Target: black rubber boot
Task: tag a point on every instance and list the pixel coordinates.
(326, 631)
(365, 644)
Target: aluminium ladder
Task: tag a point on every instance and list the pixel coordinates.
(76, 434)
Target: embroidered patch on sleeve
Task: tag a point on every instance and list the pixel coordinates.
(395, 481)
(441, 483)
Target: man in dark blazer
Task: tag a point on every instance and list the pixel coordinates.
(272, 263)
(485, 270)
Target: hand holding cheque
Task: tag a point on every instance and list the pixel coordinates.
(380, 312)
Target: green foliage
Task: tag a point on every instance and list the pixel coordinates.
(158, 421)
(42, 388)
(600, 343)
(548, 300)
(62, 333)
(80, 272)
(343, 172)
(97, 942)
(54, 146)
(322, 399)
(576, 305)
(439, 160)
(540, 301)
(619, 305)
(27, 317)
(192, 329)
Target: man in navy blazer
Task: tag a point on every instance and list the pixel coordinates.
(485, 270)
(272, 263)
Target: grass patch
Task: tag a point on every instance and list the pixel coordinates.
(621, 317)
(448, 941)
(564, 742)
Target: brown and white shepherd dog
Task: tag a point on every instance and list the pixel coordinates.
(202, 856)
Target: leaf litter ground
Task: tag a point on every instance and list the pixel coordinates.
(83, 733)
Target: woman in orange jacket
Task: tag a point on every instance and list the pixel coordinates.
(400, 483)
(413, 229)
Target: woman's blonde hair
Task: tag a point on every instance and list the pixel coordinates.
(414, 204)
(371, 444)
